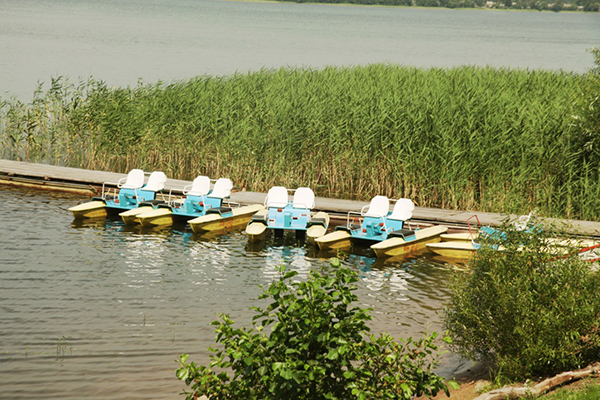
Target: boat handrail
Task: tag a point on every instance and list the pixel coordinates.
(469, 225)
(162, 196)
(304, 208)
(360, 216)
(106, 192)
(172, 199)
(136, 196)
(231, 203)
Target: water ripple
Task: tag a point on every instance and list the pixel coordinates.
(100, 310)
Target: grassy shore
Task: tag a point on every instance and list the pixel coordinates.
(462, 138)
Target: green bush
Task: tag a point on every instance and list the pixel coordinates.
(311, 343)
(532, 309)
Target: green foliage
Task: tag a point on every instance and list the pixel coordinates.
(310, 343)
(531, 309)
(481, 139)
(586, 138)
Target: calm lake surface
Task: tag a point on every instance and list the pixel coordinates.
(101, 311)
(122, 41)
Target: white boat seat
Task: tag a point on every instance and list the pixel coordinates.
(222, 188)
(523, 221)
(379, 207)
(134, 180)
(304, 198)
(156, 181)
(277, 197)
(199, 187)
(403, 210)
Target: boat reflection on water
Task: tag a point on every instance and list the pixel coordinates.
(224, 271)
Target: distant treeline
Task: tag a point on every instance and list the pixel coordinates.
(466, 138)
(558, 5)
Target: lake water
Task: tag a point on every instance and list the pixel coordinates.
(101, 311)
(122, 41)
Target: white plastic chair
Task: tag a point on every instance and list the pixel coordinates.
(156, 181)
(403, 210)
(134, 180)
(277, 197)
(379, 207)
(222, 188)
(199, 187)
(304, 198)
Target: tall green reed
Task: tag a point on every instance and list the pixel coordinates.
(461, 138)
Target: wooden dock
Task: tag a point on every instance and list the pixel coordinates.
(89, 183)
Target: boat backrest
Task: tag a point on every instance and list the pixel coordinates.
(304, 198)
(277, 197)
(523, 221)
(379, 207)
(156, 181)
(403, 210)
(134, 180)
(222, 188)
(200, 186)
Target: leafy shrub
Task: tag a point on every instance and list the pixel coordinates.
(311, 343)
(532, 309)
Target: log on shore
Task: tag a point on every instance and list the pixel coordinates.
(542, 387)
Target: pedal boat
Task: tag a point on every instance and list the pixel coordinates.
(281, 215)
(459, 249)
(586, 249)
(459, 237)
(196, 201)
(224, 218)
(460, 245)
(464, 245)
(590, 253)
(383, 231)
(400, 244)
(127, 194)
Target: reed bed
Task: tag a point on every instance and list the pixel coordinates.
(466, 138)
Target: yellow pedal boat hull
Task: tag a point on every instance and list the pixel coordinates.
(91, 209)
(337, 240)
(396, 246)
(457, 249)
(257, 230)
(459, 237)
(156, 217)
(215, 222)
(130, 217)
(317, 230)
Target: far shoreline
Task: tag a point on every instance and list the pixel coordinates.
(411, 7)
